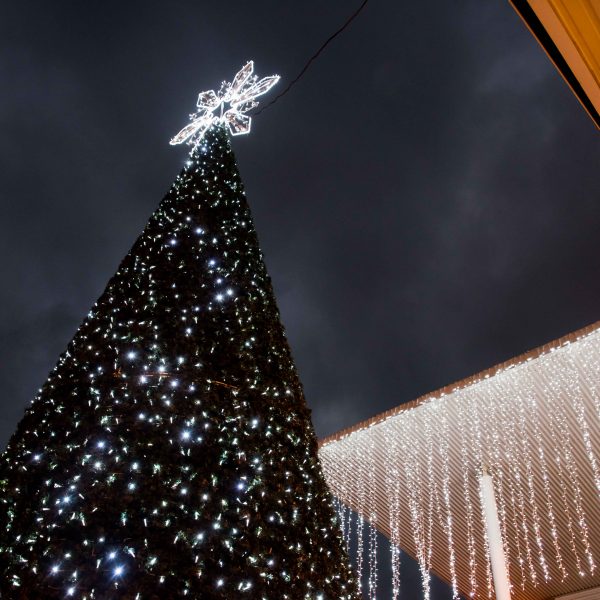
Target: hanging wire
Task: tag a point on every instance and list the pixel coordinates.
(315, 56)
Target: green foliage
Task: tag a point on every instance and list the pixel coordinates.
(170, 453)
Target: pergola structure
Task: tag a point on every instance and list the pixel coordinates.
(415, 474)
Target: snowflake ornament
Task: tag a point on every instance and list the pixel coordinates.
(240, 95)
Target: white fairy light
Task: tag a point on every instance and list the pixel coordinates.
(475, 427)
(579, 407)
(464, 433)
(101, 469)
(372, 512)
(535, 422)
(590, 373)
(562, 479)
(393, 490)
(443, 448)
(534, 426)
(527, 461)
(515, 467)
(414, 478)
(359, 467)
(349, 514)
(572, 472)
(227, 106)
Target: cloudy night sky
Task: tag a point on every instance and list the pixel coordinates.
(426, 196)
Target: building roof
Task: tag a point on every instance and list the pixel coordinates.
(534, 422)
(569, 33)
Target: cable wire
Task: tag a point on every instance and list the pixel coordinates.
(315, 56)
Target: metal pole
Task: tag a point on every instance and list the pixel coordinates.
(497, 557)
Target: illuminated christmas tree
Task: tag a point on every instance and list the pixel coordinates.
(170, 452)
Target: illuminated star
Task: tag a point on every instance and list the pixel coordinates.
(240, 96)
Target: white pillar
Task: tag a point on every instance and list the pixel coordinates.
(497, 558)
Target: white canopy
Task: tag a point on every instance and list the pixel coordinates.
(534, 423)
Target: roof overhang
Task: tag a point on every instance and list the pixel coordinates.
(534, 421)
(569, 33)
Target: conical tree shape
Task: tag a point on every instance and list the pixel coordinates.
(170, 453)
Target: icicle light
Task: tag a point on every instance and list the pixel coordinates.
(534, 424)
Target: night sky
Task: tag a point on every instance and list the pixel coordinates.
(427, 196)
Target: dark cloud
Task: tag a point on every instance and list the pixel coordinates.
(426, 196)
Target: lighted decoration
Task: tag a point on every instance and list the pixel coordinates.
(170, 453)
(240, 95)
(536, 426)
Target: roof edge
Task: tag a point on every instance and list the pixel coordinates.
(532, 21)
(464, 383)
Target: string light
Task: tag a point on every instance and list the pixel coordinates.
(240, 95)
(465, 442)
(107, 489)
(372, 514)
(533, 425)
(392, 485)
(580, 411)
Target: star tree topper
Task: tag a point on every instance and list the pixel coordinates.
(240, 95)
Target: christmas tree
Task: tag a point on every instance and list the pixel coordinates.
(170, 453)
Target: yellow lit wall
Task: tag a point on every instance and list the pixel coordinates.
(569, 32)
